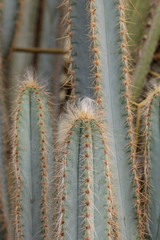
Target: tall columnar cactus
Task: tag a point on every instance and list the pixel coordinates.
(109, 78)
(152, 165)
(107, 172)
(33, 164)
(87, 208)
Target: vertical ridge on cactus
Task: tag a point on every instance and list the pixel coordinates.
(84, 212)
(32, 141)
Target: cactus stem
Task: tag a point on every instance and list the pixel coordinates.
(95, 51)
(133, 143)
(27, 86)
(83, 115)
(66, 4)
(145, 108)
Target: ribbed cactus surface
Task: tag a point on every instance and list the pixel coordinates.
(152, 166)
(87, 208)
(33, 164)
(93, 172)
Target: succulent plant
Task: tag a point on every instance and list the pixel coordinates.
(83, 163)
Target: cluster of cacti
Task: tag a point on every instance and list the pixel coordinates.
(81, 158)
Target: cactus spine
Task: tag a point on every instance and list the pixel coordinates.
(33, 164)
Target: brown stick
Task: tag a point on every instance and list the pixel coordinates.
(40, 50)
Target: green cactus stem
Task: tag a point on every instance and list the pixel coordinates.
(111, 75)
(77, 37)
(108, 77)
(32, 141)
(87, 208)
(137, 15)
(146, 56)
(152, 165)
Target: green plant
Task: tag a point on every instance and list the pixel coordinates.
(97, 176)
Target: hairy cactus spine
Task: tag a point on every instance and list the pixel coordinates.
(33, 163)
(85, 174)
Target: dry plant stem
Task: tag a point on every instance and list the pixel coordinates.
(155, 74)
(40, 50)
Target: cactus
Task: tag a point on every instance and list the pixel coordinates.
(85, 175)
(109, 70)
(147, 54)
(33, 164)
(151, 163)
(98, 177)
